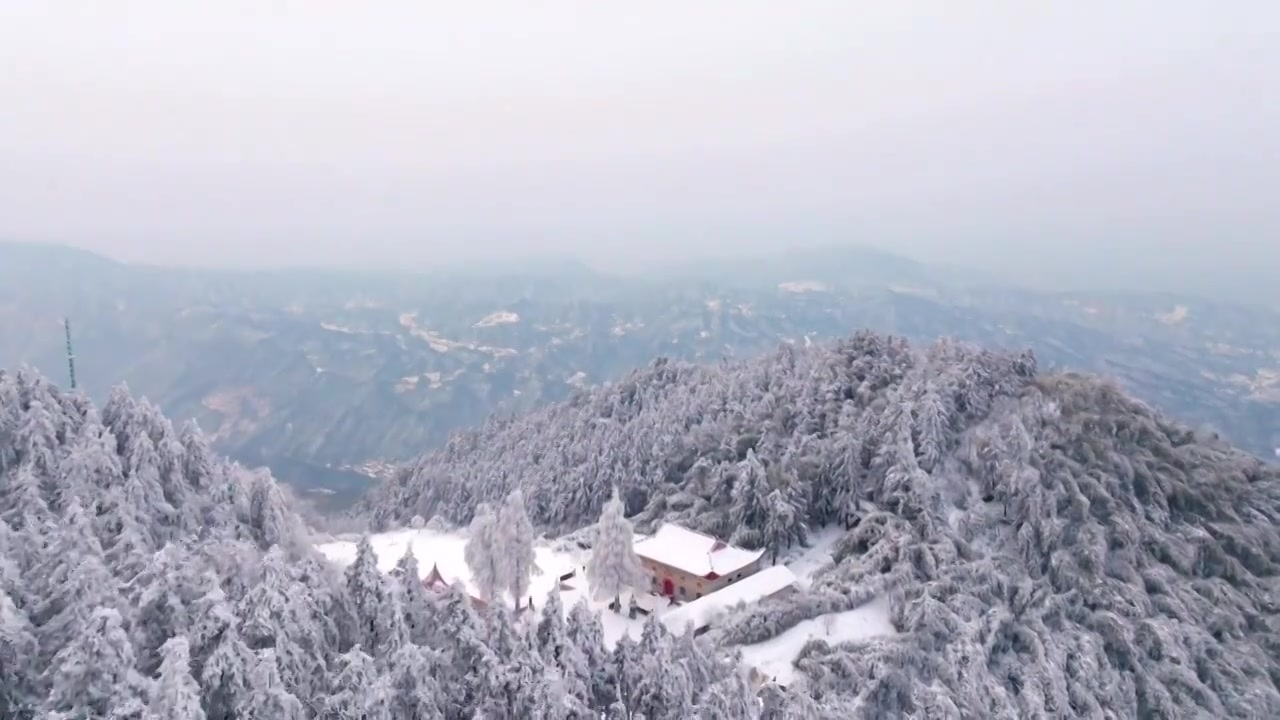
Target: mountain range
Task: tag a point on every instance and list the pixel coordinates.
(329, 376)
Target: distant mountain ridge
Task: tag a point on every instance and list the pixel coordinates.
(325, 371)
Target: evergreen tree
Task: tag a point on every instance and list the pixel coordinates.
(413, 687)
(595, 671)
(515, 538)
(367, 588)
(225, 677)
(483, 554)
(95, 672)
(614, 565)
(18, 650)
(417, 604)
(354, 687)
(269, 698)
(176, 695)
(750, 500)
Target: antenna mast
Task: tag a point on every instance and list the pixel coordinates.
(71, 357)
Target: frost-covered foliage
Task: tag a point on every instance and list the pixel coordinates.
(1050, 547)
(614, 566)
(143, 577)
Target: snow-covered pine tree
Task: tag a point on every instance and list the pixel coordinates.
(269, 697)
(750, 507)
(225, 677)
(417, 605)
(412, 684)
(483, 554)
(515, 538)
(94, 673)
(614, 566)
(596, 669)
(176, 695)
(17, 662)
(353, 687)
(367, 587)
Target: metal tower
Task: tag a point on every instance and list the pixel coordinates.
(71, 357)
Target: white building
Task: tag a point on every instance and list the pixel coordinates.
(685, 565)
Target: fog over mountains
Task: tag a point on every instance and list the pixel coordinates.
(317, 372)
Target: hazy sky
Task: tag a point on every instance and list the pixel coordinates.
(330, 131)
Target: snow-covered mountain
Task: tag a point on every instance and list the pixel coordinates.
(1049, 546)
(142, 577)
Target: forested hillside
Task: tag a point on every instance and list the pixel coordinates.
(1052, 547)
(143, 577)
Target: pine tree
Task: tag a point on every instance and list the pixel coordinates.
(750, 500)
(470, 661)
(160, 593)
(37, 439)
(417, 604)
(483, 554)
(18, 650)
(662, 689)
(225, 677)
(212, 616)
(614, 565)
(353, 687)
(595, 671)
(176, 695)
(558, 651)
(368, 590)
(515, 538)
(95, 672)
(89, 586)
(269, 698)
(413, 686)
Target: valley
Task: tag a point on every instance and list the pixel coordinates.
(315, 373)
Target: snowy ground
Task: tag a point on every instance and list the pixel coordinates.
(446, 551)
(806, 562)
(772, 657)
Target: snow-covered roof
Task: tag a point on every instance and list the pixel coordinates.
(750, 589)
(693, 552)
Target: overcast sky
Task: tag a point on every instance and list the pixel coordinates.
(249, 132)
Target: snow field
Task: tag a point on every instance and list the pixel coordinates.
(445, 550)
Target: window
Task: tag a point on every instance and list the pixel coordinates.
(683, 592)
(699, 595)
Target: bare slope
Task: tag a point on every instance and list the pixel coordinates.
(1051, 547)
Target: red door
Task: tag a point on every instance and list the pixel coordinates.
(668, 587)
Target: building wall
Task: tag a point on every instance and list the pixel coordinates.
(688, 586)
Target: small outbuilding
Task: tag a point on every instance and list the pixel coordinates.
(773, 581)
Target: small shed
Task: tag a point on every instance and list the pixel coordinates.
(434, 581)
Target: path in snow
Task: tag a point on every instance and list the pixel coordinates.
(813, 558)
(775, 657)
